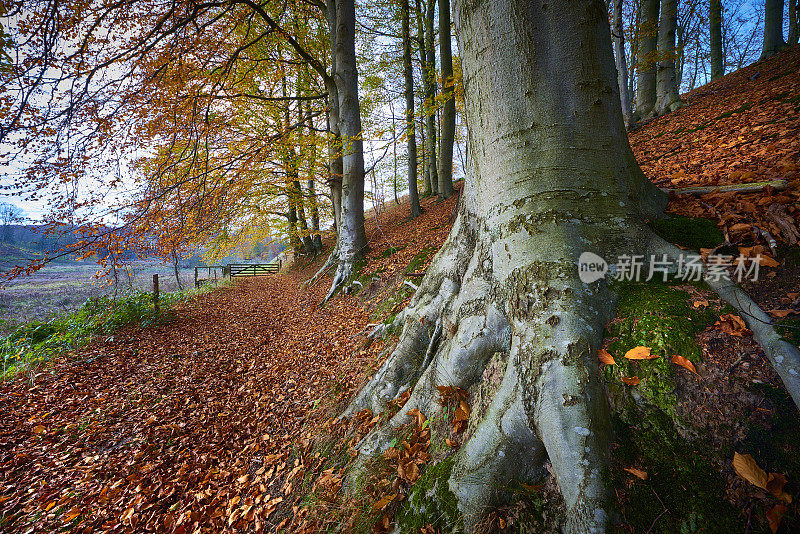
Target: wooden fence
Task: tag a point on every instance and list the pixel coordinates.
(214, 273)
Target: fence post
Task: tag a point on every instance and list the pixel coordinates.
(155, 292)
(195, 276)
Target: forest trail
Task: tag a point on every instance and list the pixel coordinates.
(162, 425)
(193, 424)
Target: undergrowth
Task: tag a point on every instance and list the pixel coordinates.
(40, 341)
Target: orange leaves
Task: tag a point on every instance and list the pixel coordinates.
(732, 325)
(605, 358)
(683, 362)
(638, 473)
(461, 416)
(631, 381)
(640, 353)
(747, 468)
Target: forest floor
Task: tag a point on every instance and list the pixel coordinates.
(222, 417)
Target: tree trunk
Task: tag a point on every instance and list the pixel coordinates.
(408, 74)
(646, 59)
(715, 32)
(554, 176)
(334, 155)
(351, 243)
(174, 266)
(773, 28)
(430, 96)
(667, 96)
(622, 64)
(314, 207)
(449, 107)
(794, 31)
(305, 234)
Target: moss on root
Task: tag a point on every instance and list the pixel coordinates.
(420, 259)
(430, 502)
(683, 493)
(691, 232)
(661, 317)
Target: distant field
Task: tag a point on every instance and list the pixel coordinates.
(63, 287)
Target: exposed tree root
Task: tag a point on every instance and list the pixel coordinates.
(784, 357)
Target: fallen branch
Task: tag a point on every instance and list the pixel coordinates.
(754, 187)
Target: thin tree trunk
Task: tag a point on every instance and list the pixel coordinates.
(449, 107)
(430, 96)
(174, 266)
(408, 74)
(634, 50)
(646, 59)
(621, 62)
(352, 238)
(715, 32)
(794, 31)
(773, 28)
(667, 96)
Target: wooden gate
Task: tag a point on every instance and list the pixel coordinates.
(253, 269)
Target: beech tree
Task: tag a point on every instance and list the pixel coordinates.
(553, 177)
(773, 28)
(715, 33)
(448, 128)
(646, 59)
(667, 97)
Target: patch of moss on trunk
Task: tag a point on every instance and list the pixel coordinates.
(692, 232)
(431, 502)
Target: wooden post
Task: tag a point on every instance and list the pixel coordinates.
(195, 276)
(155, 292)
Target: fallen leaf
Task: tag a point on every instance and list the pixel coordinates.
(605, 357)
(451, 443)
(733, 325)
(699, 303)
(384, 502)
(638, 473)
(767, 261)
(747, 468)
(631, 381)
(775, 517)
(39, 429)
(783, 313)
(640, 353)
(683, 362)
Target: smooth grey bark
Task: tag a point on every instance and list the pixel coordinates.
(430, 96)
(646, 58)
(552, 176)
(794, 31)
(667, 96)
(448, 127)
(715, 33)
(621, 62)
(408, 75)
(773, 28)
(314, 208)
(351, 243)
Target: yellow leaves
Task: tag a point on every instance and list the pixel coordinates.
(747, 468)
(640, 353)
(605, 358)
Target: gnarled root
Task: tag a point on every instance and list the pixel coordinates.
(530, 310)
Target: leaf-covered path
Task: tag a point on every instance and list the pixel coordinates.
(188, 423)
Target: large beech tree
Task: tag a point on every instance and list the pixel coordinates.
(553, 177)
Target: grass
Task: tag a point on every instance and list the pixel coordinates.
(39, 341)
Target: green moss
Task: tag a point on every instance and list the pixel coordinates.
(789, 328)
(391, 250)
(431, 502)
(679, 475)
(691, 232)
(420, 259)
(740, 109)
(776, 444)
(661, 317)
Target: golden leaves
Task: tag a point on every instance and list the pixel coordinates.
(733, 325)
(605, 358)
(638, 473)
(640, 353)
(747, 468)
(683, 362)
(631, 380)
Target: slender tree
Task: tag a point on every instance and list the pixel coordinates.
(408, 75)
(430, 95)
(794, 31)
(667, 97)
(773, 28)
(646, 59)
(448, 131)
(715, 33)
(621, 62)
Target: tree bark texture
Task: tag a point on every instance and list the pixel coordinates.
(667, 96)
(554, 176)
(449, 105)
(408, 75)
(430, 96)
(773, 28)
(715, 32)
(646, 59)
(621, 62)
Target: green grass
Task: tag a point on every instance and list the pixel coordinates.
(40, 341)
